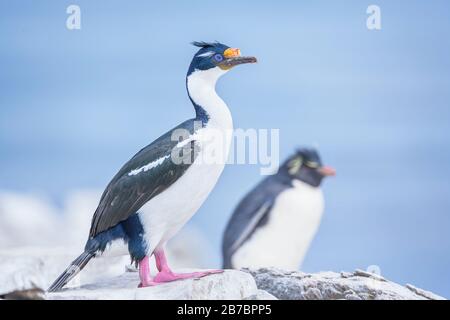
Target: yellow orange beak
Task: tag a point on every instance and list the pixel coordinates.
(231, 53)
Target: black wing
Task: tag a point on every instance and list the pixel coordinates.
(146, 175)
(251, 213)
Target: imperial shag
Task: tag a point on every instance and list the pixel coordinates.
(274, 223)
(170, 177)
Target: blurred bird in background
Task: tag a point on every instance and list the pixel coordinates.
(274, 223)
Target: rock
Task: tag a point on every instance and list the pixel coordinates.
(24, 271)
(366, 274)
(230, 285)
(359, 285)
(27, 268)
(261, 295)
(24, 268)
(28, 294)
(426, 294)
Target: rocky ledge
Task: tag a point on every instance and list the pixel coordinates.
(261, 284)
(357, 285)
(228, 285)
(24, 274)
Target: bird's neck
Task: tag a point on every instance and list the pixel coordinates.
(209, 107)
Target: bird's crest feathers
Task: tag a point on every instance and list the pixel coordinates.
(203, 44)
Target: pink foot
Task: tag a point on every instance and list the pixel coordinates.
(167, 276)
(144, 274)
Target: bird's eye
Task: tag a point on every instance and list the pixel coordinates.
(218, 57)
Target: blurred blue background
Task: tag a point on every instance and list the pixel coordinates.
(75, 105)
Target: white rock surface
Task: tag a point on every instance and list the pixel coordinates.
(105, 278)
(229, 285)
(358, 285)
(261, 295)
(30, 267)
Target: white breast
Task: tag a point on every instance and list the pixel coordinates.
(164, 215)
(285, 239)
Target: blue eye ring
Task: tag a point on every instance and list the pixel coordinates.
(218, 57)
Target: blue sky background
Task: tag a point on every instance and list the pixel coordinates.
(75, 105)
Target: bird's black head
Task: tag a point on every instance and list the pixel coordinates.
(305, 165)
(216, 55)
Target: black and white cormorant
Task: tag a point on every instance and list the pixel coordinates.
(171, 177)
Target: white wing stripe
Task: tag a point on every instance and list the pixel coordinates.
(149, 166)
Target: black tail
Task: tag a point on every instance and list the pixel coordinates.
(71, 271)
